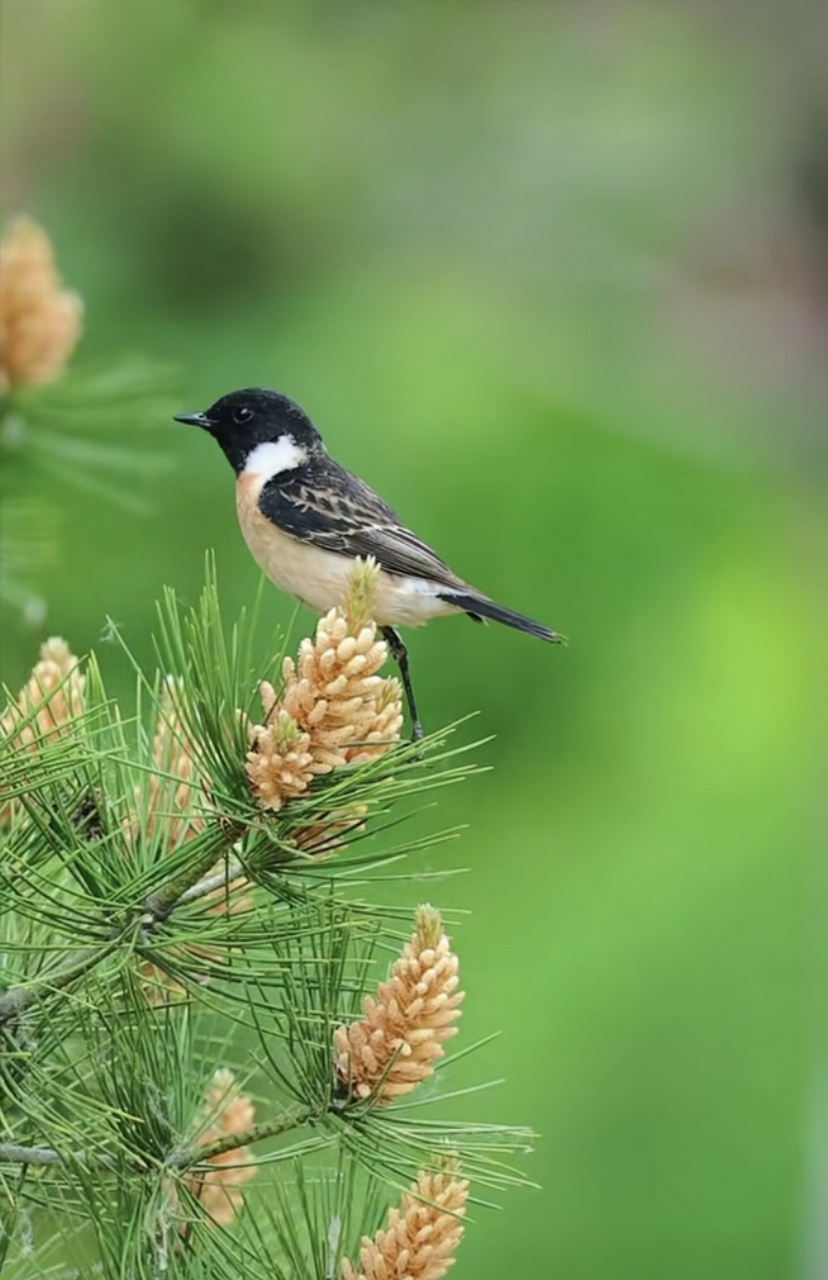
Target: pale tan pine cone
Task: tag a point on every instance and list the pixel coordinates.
(158, 987)
(332, 832)
(173, 798)
(422, 1235)
(225, 1111)
(40, 321)
(335, 708)
(331, 690)
(53, 695)
(279, 762)
(395, 1046)
(383, 730)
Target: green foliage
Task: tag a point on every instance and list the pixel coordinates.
(133, 968)
(87, 431)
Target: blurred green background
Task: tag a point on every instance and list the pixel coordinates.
(553, 278)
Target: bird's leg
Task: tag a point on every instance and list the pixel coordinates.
(399, 653)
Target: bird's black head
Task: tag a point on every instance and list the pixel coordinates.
(244, 420)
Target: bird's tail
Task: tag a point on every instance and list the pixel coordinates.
(480, 607)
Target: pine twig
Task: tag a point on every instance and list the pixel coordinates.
(211, 883)
(157, 908)
(194, 1155)
(17, 999)
(12, 1153)
(160, 906)
(186, 1158)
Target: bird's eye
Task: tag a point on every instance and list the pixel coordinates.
(242, 415)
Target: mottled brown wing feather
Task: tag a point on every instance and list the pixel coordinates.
(400, 551)
(330, 508)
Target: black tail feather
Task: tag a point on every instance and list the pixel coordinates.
(479, 607)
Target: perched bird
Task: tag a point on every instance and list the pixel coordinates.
(306, 519)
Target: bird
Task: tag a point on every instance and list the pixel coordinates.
(306, 519)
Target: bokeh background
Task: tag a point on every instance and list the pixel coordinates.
(554, 278)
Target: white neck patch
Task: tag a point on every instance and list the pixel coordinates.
(275, 456)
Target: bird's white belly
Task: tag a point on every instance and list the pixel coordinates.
(320, 578)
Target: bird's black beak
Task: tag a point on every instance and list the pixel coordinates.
(194, 420)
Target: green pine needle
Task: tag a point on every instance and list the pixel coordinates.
(133, 965)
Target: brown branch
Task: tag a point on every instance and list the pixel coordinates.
(185, 1158)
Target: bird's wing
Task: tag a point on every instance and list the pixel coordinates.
(331, 509)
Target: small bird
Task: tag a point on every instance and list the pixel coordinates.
(306, 519)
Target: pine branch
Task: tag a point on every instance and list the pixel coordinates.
(194, 1155)
(185, 1158)
(210, 884)
(17, 999)
(159, 906)
(12, 1153)
(213, 896)
(154, 911)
